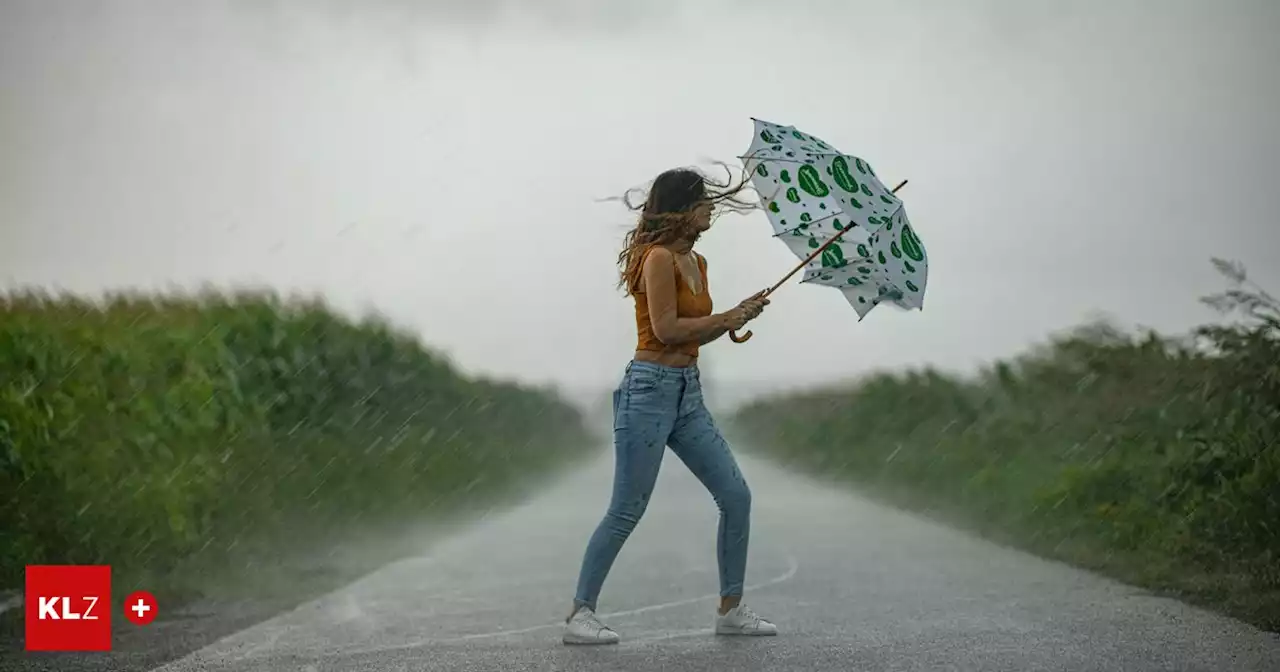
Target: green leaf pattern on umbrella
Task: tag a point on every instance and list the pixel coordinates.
(908, 264)
(839, 253)
(790, 188)
(884, 277)
(810, 192)
(783, 158)
(800, 200)
(861, 284)
(860, 192)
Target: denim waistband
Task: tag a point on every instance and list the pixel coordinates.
(662, 371)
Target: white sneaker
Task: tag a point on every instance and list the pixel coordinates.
(742, 621)
(584, 628)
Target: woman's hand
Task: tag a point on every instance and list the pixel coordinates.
(754, 305)
(744, 312)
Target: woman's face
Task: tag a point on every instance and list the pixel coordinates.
(702, 216)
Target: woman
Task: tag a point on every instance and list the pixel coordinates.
(659, 401)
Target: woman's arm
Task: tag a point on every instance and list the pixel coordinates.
(659, 273)
(713, 335)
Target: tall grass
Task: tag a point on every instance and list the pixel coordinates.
(1150, 458)
(140, 430)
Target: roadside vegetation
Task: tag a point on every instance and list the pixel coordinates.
(1146, 457)
(161, 433)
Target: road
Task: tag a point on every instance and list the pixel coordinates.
(851, 584)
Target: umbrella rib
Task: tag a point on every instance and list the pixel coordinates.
(830, 216)
(816, 221)
(749, 157)
(855, 261)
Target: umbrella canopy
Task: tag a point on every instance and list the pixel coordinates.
(832, 211)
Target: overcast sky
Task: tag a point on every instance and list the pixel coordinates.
(429, 159)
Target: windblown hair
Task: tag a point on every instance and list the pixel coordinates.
(667, 214)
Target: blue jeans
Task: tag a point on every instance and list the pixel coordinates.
(654, 407)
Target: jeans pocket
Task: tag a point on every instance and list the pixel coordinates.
(642, 382)
(618, 409)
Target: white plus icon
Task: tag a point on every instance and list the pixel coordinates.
(140, 607)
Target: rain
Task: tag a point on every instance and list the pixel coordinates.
(311, 329)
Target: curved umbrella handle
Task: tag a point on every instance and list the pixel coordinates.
(733, 336)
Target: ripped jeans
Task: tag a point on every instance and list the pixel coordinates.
(654, 407)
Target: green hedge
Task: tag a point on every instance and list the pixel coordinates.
(1150, 458)
(140, 430)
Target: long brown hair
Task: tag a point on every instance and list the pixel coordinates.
(667, 214)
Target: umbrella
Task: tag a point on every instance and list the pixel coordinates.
(831, 210)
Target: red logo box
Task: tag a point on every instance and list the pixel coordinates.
(68, 608)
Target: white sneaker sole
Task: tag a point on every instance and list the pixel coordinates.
(731, 631)
(578, 640)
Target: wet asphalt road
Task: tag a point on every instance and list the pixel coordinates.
(851, 584)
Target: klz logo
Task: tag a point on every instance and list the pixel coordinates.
(49, 609)
(68, 608)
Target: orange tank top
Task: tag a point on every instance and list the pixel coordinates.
(688, 304)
